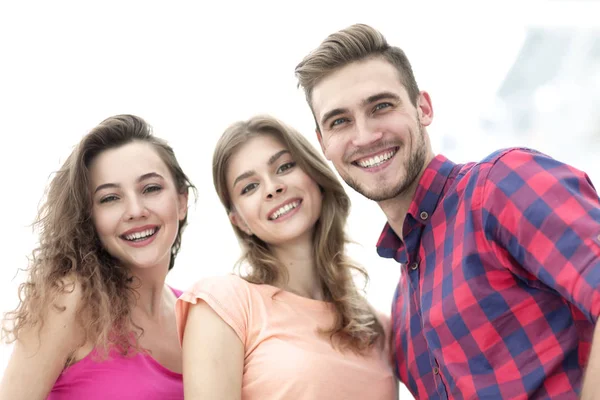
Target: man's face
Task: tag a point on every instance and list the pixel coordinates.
(370, 130)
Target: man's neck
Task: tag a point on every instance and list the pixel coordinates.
(396, 209)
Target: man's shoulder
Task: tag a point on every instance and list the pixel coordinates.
(502, 167)
(508, 155)
(509, 158)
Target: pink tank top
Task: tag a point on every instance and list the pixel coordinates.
(118, 377)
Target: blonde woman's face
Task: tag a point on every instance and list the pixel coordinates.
(136, 207)
(272, 197)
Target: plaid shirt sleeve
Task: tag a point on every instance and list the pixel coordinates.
(545, 216)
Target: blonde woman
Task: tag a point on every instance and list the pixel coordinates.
(293, 326)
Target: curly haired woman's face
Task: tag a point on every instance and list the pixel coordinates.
(136, 207)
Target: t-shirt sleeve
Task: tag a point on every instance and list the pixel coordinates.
(228, 296)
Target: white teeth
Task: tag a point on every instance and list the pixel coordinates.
(375, 161)
(284, 210)
(141, 235)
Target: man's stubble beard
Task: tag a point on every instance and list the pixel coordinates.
(413, 167)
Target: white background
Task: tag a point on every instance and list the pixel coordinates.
(192, 68)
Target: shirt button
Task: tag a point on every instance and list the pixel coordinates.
(436, 370)
(424, 215)
(414, 266)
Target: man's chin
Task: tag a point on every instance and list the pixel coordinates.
(379, 196)
(379, 192)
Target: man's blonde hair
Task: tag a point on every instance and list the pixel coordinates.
(358, 42)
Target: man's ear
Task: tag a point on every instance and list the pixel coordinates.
(425, 108)
(320, 139)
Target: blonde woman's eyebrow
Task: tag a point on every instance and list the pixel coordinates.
(271, 161)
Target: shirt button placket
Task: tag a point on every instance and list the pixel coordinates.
(436, 367)
(441, 389)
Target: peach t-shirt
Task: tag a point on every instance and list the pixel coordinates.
(284, 356)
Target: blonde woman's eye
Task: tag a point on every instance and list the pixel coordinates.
(286, 167)
(249, 187)
(108, 199)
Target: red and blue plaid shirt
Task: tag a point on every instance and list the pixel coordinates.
(500, 283)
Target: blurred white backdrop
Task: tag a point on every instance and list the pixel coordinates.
(191, 68)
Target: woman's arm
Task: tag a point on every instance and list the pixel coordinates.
(213, 356)
(39, 357)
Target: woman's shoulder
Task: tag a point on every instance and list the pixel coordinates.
(219, 283)
(232, 298)
(70, 294)
(64, 306)
(226, 289)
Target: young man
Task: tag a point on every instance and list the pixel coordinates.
(500, 286)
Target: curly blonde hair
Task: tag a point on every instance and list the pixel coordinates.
(70, 248)
(356, 325)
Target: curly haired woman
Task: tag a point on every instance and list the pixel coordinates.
(96, 320)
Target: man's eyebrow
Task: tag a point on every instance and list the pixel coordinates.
(330, 114)
(369, 100)
(380, 96)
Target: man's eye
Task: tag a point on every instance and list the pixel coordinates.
(381, 106)
(338, 121)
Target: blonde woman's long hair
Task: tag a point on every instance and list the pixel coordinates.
(356, 326)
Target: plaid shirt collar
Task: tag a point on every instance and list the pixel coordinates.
(428, 193)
